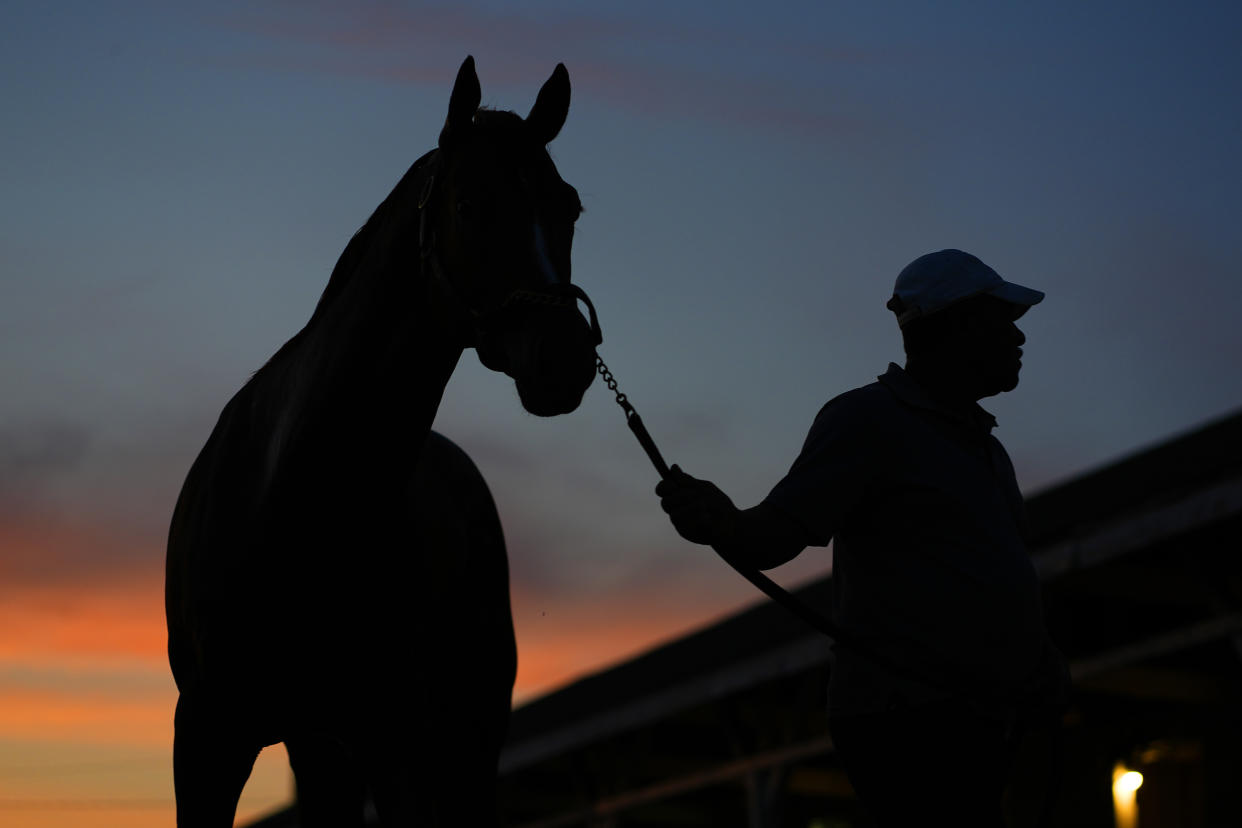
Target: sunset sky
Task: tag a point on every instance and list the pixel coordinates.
(178, 180)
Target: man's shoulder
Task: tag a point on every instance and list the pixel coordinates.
(860, 404)
(858, 418)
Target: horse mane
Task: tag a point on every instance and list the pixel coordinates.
(495, 121)
(347, 263)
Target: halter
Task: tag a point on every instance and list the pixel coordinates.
(563, 295)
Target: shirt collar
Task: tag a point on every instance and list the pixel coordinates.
(909, 391)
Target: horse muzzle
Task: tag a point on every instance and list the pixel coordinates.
(546, 345)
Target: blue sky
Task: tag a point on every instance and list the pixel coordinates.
(178, 181)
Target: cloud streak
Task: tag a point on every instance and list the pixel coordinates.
(652, 70)
(42, 546)
(31, 453)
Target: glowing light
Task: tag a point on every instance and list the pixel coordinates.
(1125, 807)
(1128, 782)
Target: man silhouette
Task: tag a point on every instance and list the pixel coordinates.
(931, 579)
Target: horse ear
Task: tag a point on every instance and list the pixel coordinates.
(547, 116)
(463, 103)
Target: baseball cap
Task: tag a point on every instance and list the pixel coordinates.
(935, 281)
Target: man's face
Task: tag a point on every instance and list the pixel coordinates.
(992, 345)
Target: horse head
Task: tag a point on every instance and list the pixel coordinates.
(497, 224)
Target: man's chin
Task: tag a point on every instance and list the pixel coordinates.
(1000, 385)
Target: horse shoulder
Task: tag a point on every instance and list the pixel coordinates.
(448, 487)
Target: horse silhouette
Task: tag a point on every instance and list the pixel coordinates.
(336, 572)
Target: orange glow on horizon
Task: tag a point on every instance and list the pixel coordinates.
(82, 716)
(84, 680)
(82, 621)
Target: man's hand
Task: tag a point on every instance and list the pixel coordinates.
(700, 512)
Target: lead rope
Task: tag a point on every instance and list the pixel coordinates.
(765, 584)
(815, 619)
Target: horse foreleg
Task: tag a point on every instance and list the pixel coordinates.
(331, 793)
(211, 763)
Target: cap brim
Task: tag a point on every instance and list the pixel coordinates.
(1021, 297)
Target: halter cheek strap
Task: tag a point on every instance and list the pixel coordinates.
(559, 295)
(427, 252)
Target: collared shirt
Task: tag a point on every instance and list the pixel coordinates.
(929, 566)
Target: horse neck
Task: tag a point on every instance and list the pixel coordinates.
(360, 386)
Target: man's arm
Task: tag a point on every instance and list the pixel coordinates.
(760, 538)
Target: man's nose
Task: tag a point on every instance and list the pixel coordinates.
(1019, 336)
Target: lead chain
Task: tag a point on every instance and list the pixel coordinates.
(611, 382)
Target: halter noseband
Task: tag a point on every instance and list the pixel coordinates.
(563, 295)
